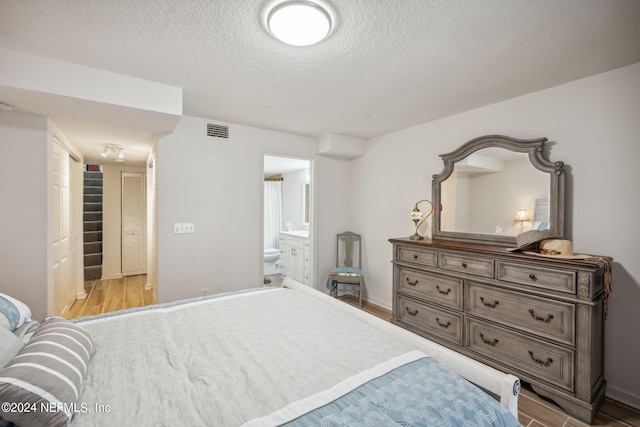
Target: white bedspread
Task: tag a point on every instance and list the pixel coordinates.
(221, 362)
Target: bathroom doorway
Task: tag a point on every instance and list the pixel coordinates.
(287, 219)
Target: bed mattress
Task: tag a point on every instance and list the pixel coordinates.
(253, 357)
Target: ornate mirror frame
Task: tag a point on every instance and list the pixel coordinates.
(534, 148)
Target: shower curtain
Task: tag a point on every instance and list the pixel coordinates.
(272, 213)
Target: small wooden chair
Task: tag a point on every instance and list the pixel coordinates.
(346, 273)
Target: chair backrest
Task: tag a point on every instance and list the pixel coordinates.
(348, 247)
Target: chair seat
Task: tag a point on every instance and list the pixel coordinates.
(346, 272)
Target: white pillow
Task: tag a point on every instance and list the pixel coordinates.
(16, 312)
(10, 345)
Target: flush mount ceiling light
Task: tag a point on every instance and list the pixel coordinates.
(299, 23)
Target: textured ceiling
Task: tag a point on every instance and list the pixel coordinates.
(386, 65)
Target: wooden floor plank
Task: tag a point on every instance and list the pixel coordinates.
(115, 299)
(132, 292)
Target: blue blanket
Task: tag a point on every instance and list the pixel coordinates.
(419, 393)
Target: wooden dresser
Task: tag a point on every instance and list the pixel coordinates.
(537, 318)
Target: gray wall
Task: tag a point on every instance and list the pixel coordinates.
(24, 239)
(594, 128)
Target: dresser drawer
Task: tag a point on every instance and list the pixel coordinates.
(534, 358)
(550, 319)
(441, 323)
(435, 288)
(418, 256)
(477, 266)
(540, 277)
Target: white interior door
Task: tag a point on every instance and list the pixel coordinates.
(133, 224)
(60, 221)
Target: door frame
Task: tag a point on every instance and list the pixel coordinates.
(312, 210)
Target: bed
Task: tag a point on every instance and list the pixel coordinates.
(261, 357)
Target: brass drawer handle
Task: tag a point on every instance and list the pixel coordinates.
(443, 292)
(410, 283)
(541, 319)
(533, 277)
(464, 265)
(492, 343)
(541, 362)
(411, 313)
(443, 325)
(495, 303)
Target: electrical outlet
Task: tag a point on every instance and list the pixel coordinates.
(183, 228)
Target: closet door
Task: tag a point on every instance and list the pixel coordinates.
(133, 224)
(60, 223)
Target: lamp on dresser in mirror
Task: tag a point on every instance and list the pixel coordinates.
(537, 317)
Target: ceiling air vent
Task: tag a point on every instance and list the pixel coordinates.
(217, 131)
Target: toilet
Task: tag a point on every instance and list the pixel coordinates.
(271, 257)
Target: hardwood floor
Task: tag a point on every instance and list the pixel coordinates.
(535, 411)
(104, 296)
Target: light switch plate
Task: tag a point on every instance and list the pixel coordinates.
(183, 228)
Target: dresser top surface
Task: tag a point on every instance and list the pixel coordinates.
(493, 250)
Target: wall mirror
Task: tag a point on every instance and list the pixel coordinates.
(495, 187)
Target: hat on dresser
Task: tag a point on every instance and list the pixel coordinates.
(530, 239)
(557, 248)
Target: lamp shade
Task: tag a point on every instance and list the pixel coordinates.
(522, 215)
(415, 215)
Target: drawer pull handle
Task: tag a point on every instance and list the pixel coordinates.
(492, 343)
(487, 304)
(410, 283)
(415, 256)
(443, 325)
(412, 313)
(541, 319)
(443, 292)
(541, 362)
(533, 277)
(464, 265)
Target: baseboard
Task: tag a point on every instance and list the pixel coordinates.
(81, 295)
(624, 397)
(377, 302)
(113, 276)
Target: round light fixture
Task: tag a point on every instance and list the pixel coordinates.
(299, 23)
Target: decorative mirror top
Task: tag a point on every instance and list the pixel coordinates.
(495, 187)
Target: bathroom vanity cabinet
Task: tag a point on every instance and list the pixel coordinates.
(295, 256)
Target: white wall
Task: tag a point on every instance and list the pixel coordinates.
(23, 197)
(594, 128)
(216, 184)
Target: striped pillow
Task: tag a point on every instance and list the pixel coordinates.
(45, 377)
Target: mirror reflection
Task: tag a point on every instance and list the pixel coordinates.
(495, 191)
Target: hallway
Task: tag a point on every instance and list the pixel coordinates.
(104, 296)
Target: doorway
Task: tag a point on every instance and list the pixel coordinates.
(287, 220)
